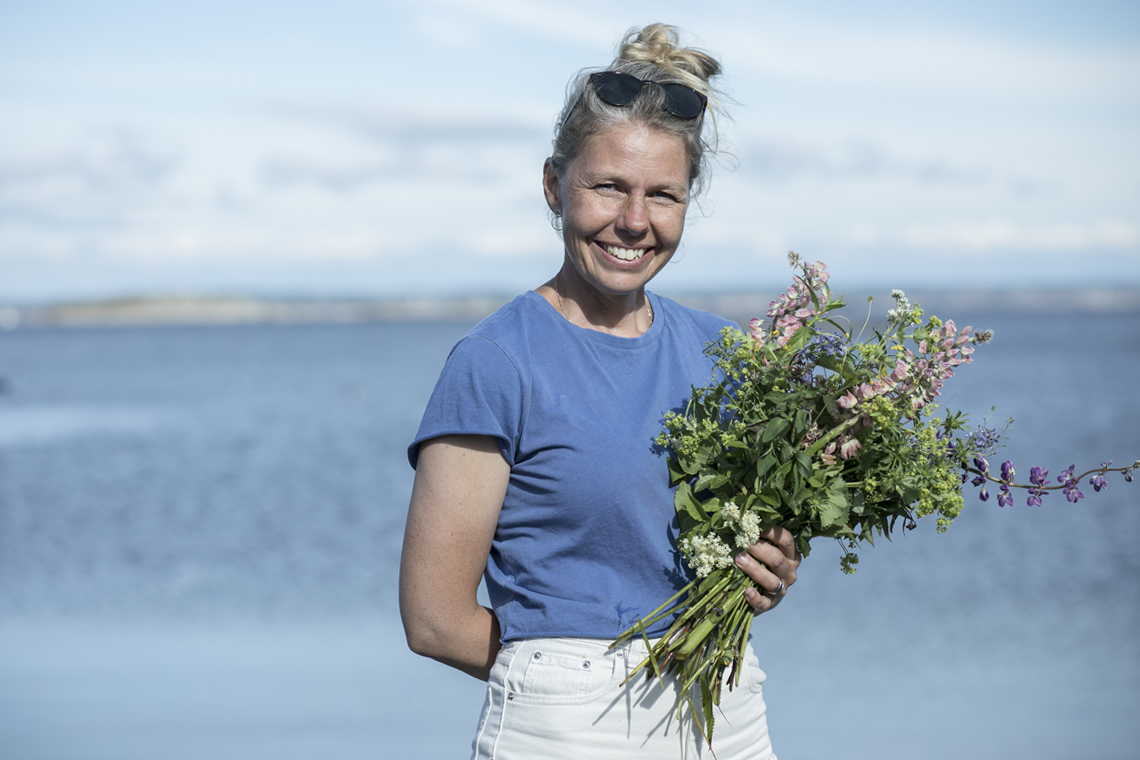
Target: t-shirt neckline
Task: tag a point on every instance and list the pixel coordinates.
(618, 341)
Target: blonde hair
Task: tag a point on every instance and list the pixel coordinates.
(654, 54)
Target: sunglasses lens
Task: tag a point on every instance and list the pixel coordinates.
(616, 88)
(683, 102)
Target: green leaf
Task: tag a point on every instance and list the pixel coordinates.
(710, 481)
(833, 509)
(764, 465)
(686, 504)
(803, 462)
(775, 429)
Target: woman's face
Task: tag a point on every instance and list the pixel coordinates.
(622, 202)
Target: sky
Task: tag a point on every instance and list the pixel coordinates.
(362, 149)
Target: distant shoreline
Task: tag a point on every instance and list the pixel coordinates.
(206, 310)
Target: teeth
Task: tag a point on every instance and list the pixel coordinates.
(625, 254)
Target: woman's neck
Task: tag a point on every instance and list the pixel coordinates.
(626, 315)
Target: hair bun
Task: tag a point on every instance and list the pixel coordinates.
(660, 45)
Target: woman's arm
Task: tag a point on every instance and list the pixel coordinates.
(459, 489)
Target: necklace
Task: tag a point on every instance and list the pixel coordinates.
(562, 308)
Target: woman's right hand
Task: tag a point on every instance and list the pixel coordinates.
(460, 485)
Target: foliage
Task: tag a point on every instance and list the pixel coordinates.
(828, 435)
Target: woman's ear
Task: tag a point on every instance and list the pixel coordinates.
(550, 188)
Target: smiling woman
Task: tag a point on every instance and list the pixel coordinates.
(535, 462)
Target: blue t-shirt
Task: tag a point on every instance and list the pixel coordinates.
(585, 542)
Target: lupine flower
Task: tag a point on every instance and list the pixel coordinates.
(850, 448)
(1037, 477)
(984, 439)
(1005, 498)
(1007, 471)
(1098, 482)
(756, 327)
(1072, 493)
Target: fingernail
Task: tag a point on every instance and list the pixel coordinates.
(741, 560)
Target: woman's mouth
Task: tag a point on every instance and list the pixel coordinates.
(625, 254)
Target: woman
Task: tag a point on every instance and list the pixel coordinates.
(536, 463)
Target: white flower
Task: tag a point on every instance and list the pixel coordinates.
(706, 553)
(746, 527)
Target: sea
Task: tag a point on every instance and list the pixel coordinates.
(200, 531)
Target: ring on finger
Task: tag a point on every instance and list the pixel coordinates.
(779, 589)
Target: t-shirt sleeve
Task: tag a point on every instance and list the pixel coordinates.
(479, 393)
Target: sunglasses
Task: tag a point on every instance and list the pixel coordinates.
(620, 89)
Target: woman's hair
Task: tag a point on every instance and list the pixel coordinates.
(653, 54)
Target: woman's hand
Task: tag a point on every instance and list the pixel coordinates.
(459, 489)
(771, 562)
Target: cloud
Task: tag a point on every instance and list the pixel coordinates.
(929, 61)
(411, 146)
(1001, 235)
(778, 162)
(569, 22)
(94, 183)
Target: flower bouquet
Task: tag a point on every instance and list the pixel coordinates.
(826, 434)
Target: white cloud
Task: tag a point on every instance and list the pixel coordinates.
(995, 235)
(928, 61)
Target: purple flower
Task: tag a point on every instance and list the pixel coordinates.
(983, 439)
(1005, 498)
(981, 464)
(1072, 493)
(1098, 482)
(983, 494)
(1037, 477)
(1007, 471)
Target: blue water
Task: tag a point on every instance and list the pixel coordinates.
(200, 529)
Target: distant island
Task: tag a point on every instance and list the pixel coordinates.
(205, 310)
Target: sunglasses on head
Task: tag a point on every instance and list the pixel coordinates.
(619, 89)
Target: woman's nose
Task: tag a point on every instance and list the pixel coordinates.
(634, 218)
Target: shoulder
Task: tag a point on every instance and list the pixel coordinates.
(514, 326)
(691, 323)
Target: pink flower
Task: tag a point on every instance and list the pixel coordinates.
(850, 448)
(847, 401)
(756, 326)
(900, 373)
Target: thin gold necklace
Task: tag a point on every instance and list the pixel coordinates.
(562, 308)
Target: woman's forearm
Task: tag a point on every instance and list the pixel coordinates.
(467, 642)
(459, 489)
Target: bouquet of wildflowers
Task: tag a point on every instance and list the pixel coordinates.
(826, 434)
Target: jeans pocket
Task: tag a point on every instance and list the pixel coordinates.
(754, 675)
(559, 671)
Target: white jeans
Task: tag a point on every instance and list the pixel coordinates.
(562, 698)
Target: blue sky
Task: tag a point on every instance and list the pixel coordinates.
(352, 148)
